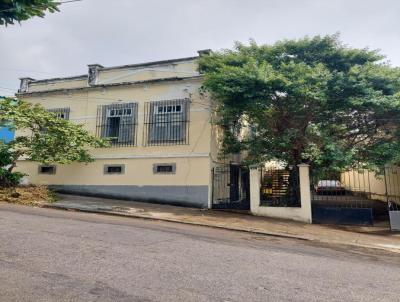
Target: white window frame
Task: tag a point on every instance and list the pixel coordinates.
(164, 109)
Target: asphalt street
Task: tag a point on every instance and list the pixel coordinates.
(52, 255)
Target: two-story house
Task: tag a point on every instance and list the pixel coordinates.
(163, 144)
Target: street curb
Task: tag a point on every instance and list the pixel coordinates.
(279, 235)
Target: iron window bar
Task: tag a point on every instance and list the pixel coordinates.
(62, 113)
(166, 122)
(118, 123)
(280, 187)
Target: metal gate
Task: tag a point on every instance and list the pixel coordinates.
(280, 187)
(231, 187)
(347, 197)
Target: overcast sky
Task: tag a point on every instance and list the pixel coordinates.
(132, 31)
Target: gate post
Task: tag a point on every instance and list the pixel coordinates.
(254, 189)
(305, 190)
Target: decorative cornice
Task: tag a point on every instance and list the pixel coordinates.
(151, 81)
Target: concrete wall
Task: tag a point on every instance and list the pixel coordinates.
(302, 213)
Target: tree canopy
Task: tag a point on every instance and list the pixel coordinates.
(43, 137)
(312, 100)
(20, 10)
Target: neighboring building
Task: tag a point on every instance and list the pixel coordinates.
(163, 144)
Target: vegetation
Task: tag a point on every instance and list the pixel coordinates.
(44, 138)
(20, 10)
(27, 195)
(312, 100)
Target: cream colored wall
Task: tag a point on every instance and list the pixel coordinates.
(132, 74)
(83, 105)
(59, 84)
(393, 183)
(138, 171)
(303, 213)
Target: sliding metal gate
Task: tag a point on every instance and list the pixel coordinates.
(355, 197)
(231, 187)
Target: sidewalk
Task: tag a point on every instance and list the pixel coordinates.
(369, 237)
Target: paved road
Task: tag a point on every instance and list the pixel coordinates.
(50, 255)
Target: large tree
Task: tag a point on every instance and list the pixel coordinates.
(43, 138)
(312, 100)
(20, 10)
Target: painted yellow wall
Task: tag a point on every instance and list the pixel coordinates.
(193, 160)
(138, 171)
(83, 106)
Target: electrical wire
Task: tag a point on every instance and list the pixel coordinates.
(203, 105)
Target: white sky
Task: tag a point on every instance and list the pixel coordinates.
(132, 31)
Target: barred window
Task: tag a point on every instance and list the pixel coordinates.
(114, 169)
(164, 168)
(62, 113)
(118, 122)
(44, 169)
(167, 122)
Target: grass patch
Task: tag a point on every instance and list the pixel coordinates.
(28, 195)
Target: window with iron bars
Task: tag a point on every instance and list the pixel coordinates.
(166, 123)
(118, 123)
(62, 113)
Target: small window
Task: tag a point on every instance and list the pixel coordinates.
(164, 168)
(114, 169)
(47, 170)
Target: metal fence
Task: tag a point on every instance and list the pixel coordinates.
(280, 187)
(166, 123)
(349, 189)
(231, 187)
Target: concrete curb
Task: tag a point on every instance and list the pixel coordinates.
(252, 231)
